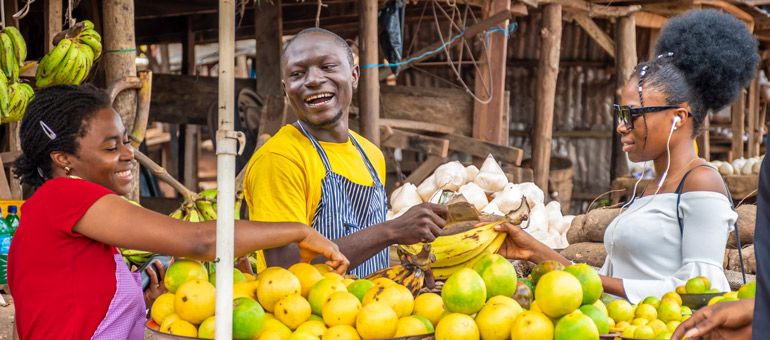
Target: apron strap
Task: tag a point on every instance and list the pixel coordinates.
(325, 158)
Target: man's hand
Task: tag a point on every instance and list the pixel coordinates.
(315, 244)
(723, 320)
(421, 223)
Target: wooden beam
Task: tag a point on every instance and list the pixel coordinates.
(593, 11)
(417, 125)
(738, 117)
(479, 148)
(423, 171)
(369, 83)
(596, 33)
(530, 3)
(470, 32)
(704, 142)
(186, 99)
(729, 8)
(755, 130)
(625, 61)
(53, 22)
(119, 36)
(649, 20)
(547, 73)
(416, 142)
(488, 118)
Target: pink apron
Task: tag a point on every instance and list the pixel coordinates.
(127, 312)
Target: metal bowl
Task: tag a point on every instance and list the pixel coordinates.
(695, 301)
(154, 329)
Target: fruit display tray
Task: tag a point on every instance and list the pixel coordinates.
(154, 329)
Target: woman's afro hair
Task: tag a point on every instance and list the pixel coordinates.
(715, 52)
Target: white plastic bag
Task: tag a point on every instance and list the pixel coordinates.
(474, 195)
(533, 193)
(406, 198)
(491, 177)
(427, 188)
(508, 199)
(471, 171)
(450, 176)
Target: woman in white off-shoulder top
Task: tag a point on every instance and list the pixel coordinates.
(704, 60)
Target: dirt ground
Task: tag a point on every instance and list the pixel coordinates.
(6, 318)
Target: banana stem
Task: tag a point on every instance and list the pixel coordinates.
(163, 175)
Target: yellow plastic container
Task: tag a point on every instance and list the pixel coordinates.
(4, 204)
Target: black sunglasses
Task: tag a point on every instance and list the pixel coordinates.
(626, 114)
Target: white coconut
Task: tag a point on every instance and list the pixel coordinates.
(508, 199)
(748, 166)
(538, 218)
(450, 176)
(726, 169)
(533, 193)
(406, 198)
(394, 194)
(471, 171)
(427, 188)
(491, 177)
(492, 209)
(738, 165)
(474, 195)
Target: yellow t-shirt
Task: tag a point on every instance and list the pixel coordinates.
(283, 178)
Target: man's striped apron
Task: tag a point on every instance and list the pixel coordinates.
(346, 207)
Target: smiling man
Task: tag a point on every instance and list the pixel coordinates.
(318, 172)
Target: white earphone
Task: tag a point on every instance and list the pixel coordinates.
(677, 119)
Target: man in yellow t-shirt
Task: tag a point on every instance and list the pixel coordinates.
(318, 172)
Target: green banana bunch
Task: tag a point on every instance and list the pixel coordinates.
(13, 101)
(71, 60)
(13, 51)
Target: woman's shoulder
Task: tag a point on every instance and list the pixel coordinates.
(704, 178)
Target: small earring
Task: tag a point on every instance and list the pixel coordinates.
(67, 170)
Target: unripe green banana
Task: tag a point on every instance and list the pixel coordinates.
(19, 113)
(19, 46)
(95, 45)
(5, 100)
(8, 60)
(52, 60)
(16, 101)
(206, 210)
(88, 25)
(91, 33)
(79, 71)
(64, 71)
(28, 89)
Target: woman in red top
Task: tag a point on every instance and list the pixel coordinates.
(66, 277)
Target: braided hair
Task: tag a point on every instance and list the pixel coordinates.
(53, 121)
(705, 58)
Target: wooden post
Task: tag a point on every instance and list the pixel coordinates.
(268, 26)
(625, 61)
(188, 133)
(488, 119)
(53, 22)
(12, 129)
(738, 116)
(369, 84)
(755, 130)
(120, 61)
(547, 73)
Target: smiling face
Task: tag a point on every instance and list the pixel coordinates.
(319, 80)
(104, 155)
(647, 141)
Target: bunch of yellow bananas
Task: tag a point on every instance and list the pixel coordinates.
(411, 273)
(462, 250)
(71, 60)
